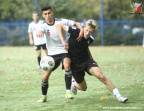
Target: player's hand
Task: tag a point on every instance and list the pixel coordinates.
(81, 35)
(66, 46)
(40, 34)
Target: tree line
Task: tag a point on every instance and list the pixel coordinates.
(18, 10)
(78, 10)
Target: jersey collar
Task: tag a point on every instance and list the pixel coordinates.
(53, 23)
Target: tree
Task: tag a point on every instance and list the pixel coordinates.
(15, 10)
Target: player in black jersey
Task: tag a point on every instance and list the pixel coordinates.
(82, 61)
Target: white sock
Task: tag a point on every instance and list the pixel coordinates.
(67, 90)
(44, 96)
(116, 93)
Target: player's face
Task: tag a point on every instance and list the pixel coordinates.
(35, 17)
(88, 31)
(48, 16)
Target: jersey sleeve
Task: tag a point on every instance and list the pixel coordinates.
(91, 40)
(71, 30)
(68, 22)
(29, 28)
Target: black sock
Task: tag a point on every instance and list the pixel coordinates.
(39, 59)
(68, 78)
(44, 86)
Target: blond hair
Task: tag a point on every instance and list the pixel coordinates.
(92, 24)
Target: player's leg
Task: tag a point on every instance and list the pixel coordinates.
(98, 74)
(45, 49)
(68, 77)
(79, 82)
(45, 80)
(68, 73)
(44, 86)
(81, 86)
(38, 49)
(39, 58)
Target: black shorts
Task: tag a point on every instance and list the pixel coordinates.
(79, 69)
(38, 47)
(58, 59)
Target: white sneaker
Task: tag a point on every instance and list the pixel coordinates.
(122, 99)
(73, 88)
(39, 67)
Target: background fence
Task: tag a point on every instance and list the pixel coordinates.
(114, 32)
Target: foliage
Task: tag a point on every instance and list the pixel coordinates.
(19, 41)
(78, 10)
(132, 40)
(4, 35)
(109, 39)
(18, 10)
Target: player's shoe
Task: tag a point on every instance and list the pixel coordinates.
(39, 67)
(73, 88)
(69, 95)
(42, 99)
(122, 99)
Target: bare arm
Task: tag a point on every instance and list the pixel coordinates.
(40, 34)
(31, 39)
(81, 34)
(60, 28)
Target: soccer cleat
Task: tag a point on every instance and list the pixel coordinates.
(69, 95)
(42, 99)
(73, 88)
(122, 99)
(39, 67)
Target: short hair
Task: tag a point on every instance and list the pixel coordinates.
(35, 12)
(47, 7)
(92, 24)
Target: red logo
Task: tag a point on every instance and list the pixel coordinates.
(48, 32)
(136, 7)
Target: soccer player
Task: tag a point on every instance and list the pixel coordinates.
(82, 61)
(33, 39)
(56, 49)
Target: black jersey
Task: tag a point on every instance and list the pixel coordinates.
(78, 51)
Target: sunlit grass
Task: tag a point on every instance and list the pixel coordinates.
(20, 81)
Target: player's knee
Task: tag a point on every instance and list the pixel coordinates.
(84, 88)
(46, 76)
(67, 67)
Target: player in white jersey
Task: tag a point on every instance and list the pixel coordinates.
(56, 48)
(33, 39)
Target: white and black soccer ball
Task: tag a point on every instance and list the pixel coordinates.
(47, 63)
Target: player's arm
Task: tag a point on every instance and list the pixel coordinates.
(40, 33)
(60, 28)
(30, 39)
(81, 34)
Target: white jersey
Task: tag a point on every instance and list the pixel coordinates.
(33, 28)
(53, 41)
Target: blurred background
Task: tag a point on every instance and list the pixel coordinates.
(117, 24)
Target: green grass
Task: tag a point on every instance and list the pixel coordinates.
(20, 81)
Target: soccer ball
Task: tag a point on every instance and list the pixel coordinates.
(47, 63)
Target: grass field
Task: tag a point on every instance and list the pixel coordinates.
(20, 81)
